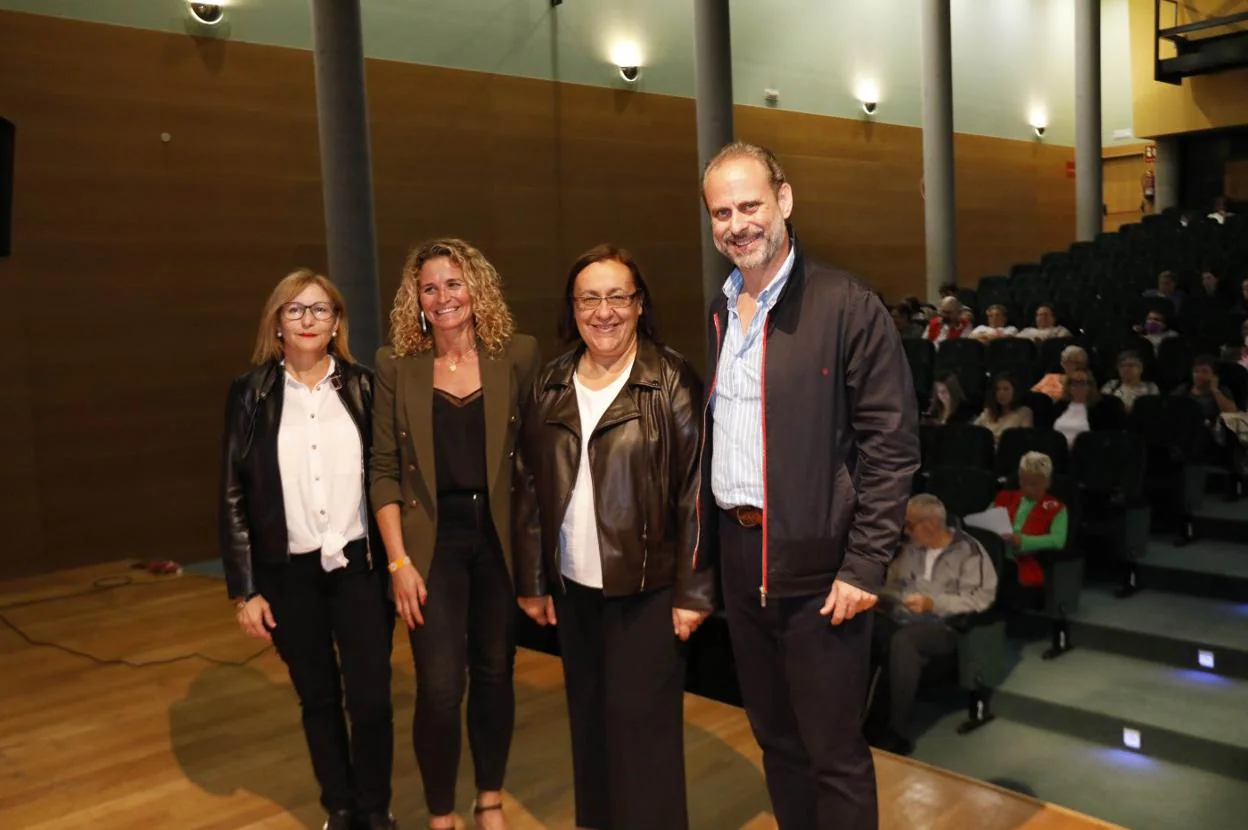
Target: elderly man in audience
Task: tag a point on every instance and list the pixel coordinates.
(948, 324)
(1054, 383)
(997, 325)
(941, 573)
(1040, 521)
(1046, 327)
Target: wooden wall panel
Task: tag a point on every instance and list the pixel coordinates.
(139, 266)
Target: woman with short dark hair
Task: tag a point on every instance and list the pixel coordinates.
(606, 532)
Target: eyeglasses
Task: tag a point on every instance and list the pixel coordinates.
(320, 311)
(590, 302)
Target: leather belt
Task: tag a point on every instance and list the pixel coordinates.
(746, 516)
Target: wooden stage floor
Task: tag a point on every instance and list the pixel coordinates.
(196, 744)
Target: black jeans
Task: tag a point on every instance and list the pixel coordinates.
(902, 650)
(624, 673)
(804, 685)
(315, 609)
(468, 642)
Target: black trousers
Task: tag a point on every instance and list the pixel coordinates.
(902, 650)
(315, 610)
(624, 672)
(804, 685)
(468, 643)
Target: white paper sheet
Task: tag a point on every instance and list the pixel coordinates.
(994, 520)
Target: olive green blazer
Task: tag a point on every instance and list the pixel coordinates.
(401, 465)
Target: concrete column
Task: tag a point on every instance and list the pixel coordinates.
(346, 168)
(939, 210)
(1168, 176)
(712, 35)
(1089, 199)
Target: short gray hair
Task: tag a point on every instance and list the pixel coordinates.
(928, 505)
(1075, 351)
(1037, 463)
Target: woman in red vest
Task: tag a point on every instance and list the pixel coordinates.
(1039, 520)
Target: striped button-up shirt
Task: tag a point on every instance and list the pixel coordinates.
(737, 405)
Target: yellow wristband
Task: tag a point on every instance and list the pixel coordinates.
(394, 566)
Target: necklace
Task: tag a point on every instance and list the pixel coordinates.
(452, 363)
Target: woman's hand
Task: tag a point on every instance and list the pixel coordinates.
(1012, 538)
(685, 622)
(255, 618)
(409, 595)
(541, 610)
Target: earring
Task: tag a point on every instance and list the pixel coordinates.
(424, 323)
(279, 335)
(335, 334)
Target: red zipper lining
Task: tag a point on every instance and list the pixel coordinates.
(762, 394)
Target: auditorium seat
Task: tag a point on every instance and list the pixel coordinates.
(1108, 468)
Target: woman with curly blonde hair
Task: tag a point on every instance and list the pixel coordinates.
(449, 393)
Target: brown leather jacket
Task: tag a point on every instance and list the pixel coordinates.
(644, 458)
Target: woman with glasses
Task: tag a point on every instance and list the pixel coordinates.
(1083, 408)
(606, 541)
(449, 389)
(300, 565)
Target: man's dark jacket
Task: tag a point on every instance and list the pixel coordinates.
(841, 438)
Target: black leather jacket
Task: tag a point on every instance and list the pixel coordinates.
(644, 460)
(253, 513)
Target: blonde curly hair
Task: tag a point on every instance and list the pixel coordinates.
(490, 315)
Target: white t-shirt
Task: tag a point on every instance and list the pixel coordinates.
(581, 558)
(930, 555)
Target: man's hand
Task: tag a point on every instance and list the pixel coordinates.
(685, 622)
(917, 603)
(846, 602)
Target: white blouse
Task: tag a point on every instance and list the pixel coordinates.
(1073, 422)
(581, 556)
(321, 461)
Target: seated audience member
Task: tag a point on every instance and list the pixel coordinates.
(996, 326)
(1240, 308)
(1220, 213)
(1130, 383)
(920, 312)
(947, 325)
(1156, 328)
(1002, 410)
(966, 320)
(1073, 357)
(1206, 391)
(1046, 326)
(1210, 286)
(903, 321)
(1167, 289)
(1082, 409)
(1239, 354)
(939, 573)
(1039, 520)
(949, 404)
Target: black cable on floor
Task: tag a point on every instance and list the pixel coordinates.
(109, 583)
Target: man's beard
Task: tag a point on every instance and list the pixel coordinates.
(773, 240)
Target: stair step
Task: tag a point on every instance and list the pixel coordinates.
(1210, 569)
(1221, 520)
(1182, 715)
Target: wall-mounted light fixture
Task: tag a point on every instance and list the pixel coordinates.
(868, 94)
(1039, 120)
(209, 14)
(626, 55)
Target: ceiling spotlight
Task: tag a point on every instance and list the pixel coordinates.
(209, 14)
(630, 73)
(868, 107)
